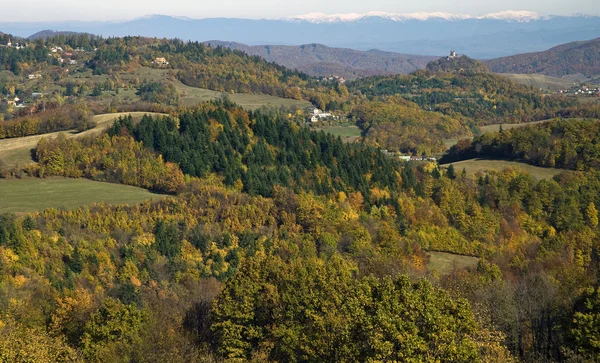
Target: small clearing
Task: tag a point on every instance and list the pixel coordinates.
(444, 263)
(481, 165)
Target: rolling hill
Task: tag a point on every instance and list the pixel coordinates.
(576, 58)
(321, 60)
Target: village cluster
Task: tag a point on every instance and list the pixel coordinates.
(581, 90)
(62, 56)
(400, 156)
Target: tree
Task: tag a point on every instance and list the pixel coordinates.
(592, 215)
(450, 172)
(167, 238)
(113, 331)
(312, 310)
(585, 325)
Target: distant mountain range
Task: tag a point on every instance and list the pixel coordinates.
(49, 33)
(489, 36)
(576, 58)
(320, 60)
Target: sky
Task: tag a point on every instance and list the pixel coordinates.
(60, 10)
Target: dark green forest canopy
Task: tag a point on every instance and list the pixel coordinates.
(263, 149)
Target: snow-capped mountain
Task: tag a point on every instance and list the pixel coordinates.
(479, 36)
(510, 15)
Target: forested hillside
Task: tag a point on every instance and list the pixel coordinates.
(395, 124)
(567, 59)
(567, 144)
(322, 61)
(483, 97)
(282, 244)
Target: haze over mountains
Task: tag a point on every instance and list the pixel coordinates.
(320, 60)
(576, 58)
(488, 36)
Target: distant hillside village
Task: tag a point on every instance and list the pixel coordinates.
(581, 91)
(62, 61)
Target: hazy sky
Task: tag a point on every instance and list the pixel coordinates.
(48, 10)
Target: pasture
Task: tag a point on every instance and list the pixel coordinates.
(348, 132)
(474, 166)
(33, 194)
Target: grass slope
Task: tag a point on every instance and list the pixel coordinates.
(348, 132)
(32, 194)
(496, 128)
(191, 96)
(477, 165)
(17, 151)
(541, 81)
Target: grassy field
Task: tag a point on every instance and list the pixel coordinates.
(347, 132)
(444, 263)
(541, 81)
(192, 95)
(17, 151)
(476, 165)
(32, 194)
(495, 128)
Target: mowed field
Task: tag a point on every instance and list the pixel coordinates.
(540, 81)
(348, 132)
(17, 151)
(32, 194)
(476, 165)
(444, 263)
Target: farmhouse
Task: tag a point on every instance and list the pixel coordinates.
(34, 76)
(161, 61)
(318, 115)
(14, 102)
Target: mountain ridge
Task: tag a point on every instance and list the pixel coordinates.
(479, 38)
(579, 57)
(508, 15)
(320, 60)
